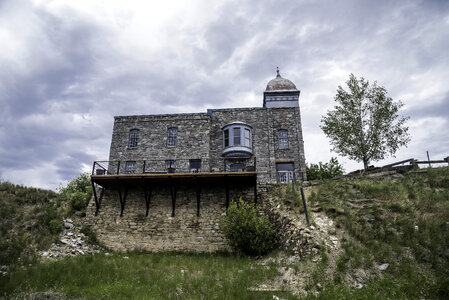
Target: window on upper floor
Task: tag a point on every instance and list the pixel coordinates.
(172, 136)
(130, 167)
(283, 139)
(237, 135)
(247, 138)
(237, 139)
(236, 131)
(133, 140)
(226, 138)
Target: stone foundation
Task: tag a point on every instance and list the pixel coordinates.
(186, 231)
(159, 231)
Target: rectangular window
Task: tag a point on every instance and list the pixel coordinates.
(285, 172)
(170, 166)
(130, 167)
(172, 137)
(236, 132)
(195, 165)
(226, 138)
(283, 139)
(133, 140)
(247, 140)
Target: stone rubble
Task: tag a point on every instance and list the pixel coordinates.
(71, 243)
(294, 234)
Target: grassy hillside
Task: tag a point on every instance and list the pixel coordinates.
(30, 220)
(402, 221)
(393, 242)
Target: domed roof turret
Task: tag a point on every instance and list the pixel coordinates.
(279, 84)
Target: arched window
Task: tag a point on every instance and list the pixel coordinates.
(133, 140)
(237, 140)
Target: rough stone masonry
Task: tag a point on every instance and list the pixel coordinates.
(264, 142)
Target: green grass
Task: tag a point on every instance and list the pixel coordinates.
(30, 219)
(402, 222)
(144, 276)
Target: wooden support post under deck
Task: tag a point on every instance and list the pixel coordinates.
(122, 198)
(198, 195)
(100, 199)
(173, 195)
(147, 189)
(97, 204)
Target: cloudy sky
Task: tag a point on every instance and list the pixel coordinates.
(67, 67)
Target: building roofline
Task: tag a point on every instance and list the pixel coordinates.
(164, 115)
(204, 114)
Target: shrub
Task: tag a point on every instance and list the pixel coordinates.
(322, 171)
(90, 234)
(55, 226)
(79, 201)
(246, 230)
(45, 214)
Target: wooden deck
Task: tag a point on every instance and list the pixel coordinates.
(147, 181)
(133, 180)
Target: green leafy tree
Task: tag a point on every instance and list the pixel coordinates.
(78, 192)
(365, 125)
(322, 171)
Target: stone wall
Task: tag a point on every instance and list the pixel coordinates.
(192, 139)
(200, 137)
(159, 231)
(262, 140)
(186, 231)
(265, 123)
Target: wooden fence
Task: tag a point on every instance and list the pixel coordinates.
(414, 162)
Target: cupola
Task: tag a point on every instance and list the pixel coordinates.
(280, 92)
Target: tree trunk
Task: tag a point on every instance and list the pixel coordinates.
(365, 163)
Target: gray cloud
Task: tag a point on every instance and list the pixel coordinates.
(66, 70)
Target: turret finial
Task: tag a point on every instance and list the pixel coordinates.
(277, 70)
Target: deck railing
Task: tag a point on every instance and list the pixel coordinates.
(163, 166)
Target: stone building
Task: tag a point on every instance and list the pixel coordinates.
(170, 178)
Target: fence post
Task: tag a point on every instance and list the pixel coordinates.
(305, 206)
